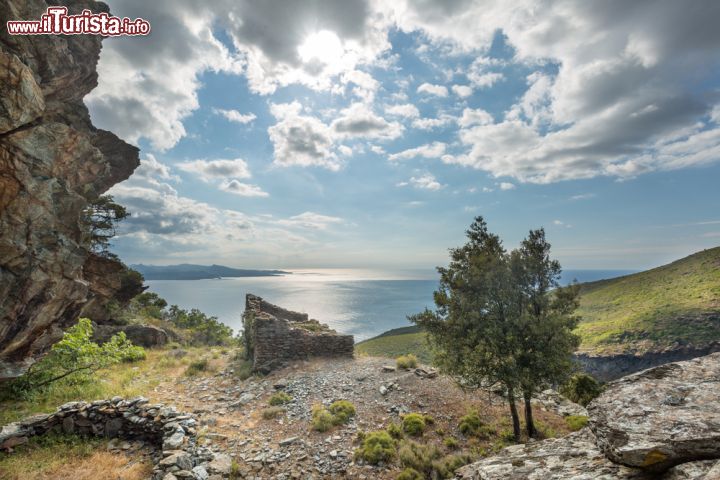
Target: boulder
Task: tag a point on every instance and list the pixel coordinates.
(146, 336)
(661, 417)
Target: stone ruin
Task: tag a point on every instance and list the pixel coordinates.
(172, 434)
(274, 336)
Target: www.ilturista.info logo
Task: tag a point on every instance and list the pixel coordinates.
(56, 21)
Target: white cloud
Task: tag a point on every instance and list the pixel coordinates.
(560, 223)
(426, 181)
(359, 121)
(506, 186)
(311, 220)
(432, 123)
(406, 110)
(243, 189)
(235, 116)
(208, 170)
(462, 91)
(485, 80)
(430, 150)
(476, 116)
(583, 196)
(431, 89)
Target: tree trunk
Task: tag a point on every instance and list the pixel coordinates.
(514, 413)
(529, 423)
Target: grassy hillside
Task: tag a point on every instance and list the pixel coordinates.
(655, 308)
(678, 302)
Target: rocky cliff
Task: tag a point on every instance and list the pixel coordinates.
(52, 162)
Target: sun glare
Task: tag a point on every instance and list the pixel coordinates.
(323, 46)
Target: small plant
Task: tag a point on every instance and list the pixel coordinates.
(406, 362)
(410, 474)
(235, 472)
(581, 388)
(196, 367)
(279, 398)
(544, 430)
(272, 412)
(451, 443)
(243, 369)
(419, 457)
(429, 420)
(576, 422)
(322, 419)
(395, 431)
(413, 424)
(342, 411)
(445, 467)
(376, 447)
(472, 425)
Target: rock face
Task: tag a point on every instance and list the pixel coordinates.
(110, 282)
(52, 162)
(663, 423)
(277, 335)
(661, 417)
(146, 336)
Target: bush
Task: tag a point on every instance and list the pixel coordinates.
(410, 474)
(576, 422)
(395, 431)
(445, 467)
(280, 398)
(451, 443)
(406, 362)
(322, 420)
(75, 359)
(413, 424)
(196, 367)
(376, 447)
(581, 388)
(272, 412)
(419, 457)
(342, 411)
(472, 425)
(243, 369)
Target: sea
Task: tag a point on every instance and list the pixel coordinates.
(363, 303)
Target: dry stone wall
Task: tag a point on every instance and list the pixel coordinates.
(171, 432)
(278, 335)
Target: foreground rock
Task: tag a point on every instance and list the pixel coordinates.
(147, 336)
(661, 417)
(52, 163)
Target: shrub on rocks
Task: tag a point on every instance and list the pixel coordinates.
(406, 362)
(410, 474)
(279, 398)
(395, 431)
(342, 411)
(581, 388)
(272, 412)
(451, 443)
(472, 425)
(414, 424)
(196, 367)
(376, 447)
(576, 422)
(322, 420)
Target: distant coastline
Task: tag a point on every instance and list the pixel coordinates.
(188, 271)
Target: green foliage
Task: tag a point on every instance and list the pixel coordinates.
(99, 219)
(272, 412)
(196, 367)
(470, 424)
(376, 447)
(75, 359)
(581, 388)
(451, 443)
(279, 398)
(342, 411)
(446, 466)
(410, 474)
(413, 424)
(502, 318)
(576, 422)
(395, 431)
(394, 345)
(427, 460)
(322, 419)
(204, 330)
(641, 311)
(243, 369)
(406, 362)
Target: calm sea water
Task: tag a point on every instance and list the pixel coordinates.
(358, 302)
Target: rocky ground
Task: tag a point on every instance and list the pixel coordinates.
(230, 414)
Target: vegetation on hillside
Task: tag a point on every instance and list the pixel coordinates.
(502, 318)
(655, 308)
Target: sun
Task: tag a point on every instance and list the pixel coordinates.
(323, 46)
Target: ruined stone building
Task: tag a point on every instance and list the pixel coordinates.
(274, 335)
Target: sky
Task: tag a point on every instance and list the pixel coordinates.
(369, 133)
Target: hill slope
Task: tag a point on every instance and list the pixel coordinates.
(678, 303)
(650, 310)
(187, 271)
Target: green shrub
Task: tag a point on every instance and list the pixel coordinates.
(196, 367)
(342, 411)
(445, 467)
(576, 422)
(395, 431)
(406, 362)
(410, 474)
(376, 447)
(451, 443)
(243, 369)
(413, 424)
(429, 420)
(279, 398)
(322, 420)
(472, 425)
(581, 388)
(419, 457)
(544, 430)
(272, 412)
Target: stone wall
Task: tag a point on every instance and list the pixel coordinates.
(172, 433)
(278, 335)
